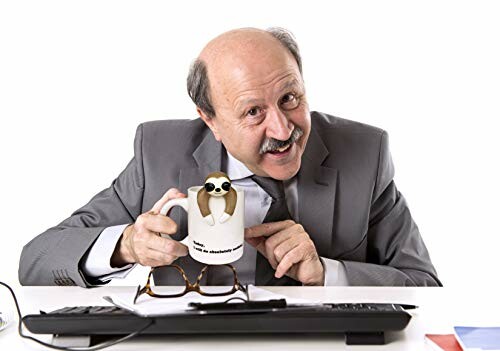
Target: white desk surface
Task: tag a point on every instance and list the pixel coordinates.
(440, 309)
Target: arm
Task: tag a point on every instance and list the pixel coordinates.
(396, 253)
(55, 255)
(231, 198)
(203, 198)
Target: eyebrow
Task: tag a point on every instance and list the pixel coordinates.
(289, 84)
(252, 101)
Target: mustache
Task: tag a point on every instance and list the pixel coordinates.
(272, 144)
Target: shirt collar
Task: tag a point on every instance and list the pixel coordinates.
(236, 169)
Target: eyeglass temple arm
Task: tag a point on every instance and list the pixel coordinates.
(146, 287)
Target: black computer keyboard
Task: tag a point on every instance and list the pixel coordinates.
(362, 323)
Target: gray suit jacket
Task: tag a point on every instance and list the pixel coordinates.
(348, 204)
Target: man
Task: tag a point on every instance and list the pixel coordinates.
(336, 218)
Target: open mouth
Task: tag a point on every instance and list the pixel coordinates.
(282, 150)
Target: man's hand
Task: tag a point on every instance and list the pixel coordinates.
(289, 250)
(141, 242)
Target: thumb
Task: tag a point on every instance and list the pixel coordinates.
(172, 193)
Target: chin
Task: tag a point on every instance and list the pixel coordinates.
(284, 168)
(283, 172)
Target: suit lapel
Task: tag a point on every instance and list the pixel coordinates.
(316, 185)
(208, 159)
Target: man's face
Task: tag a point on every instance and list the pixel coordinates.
(258, 103)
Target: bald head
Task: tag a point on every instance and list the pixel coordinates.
(238, 45)
(234, 41)
(232, 54)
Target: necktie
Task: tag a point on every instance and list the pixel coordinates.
(278, 211)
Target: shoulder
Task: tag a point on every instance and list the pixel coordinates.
(332, 124)
(348, 141)
(174, 127)
(181, 133)
(169, 141)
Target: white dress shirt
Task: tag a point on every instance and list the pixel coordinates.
(257, 202)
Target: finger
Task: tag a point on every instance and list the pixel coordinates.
(141, 249)
(272, 242)
(155, 258)
(278, 245)
(292, 257)
(270, 254)
(255, 241)
(158, 223)
(259, 244)
(267, 229)
(168, 246)
(295, 232)
(172, 193)
(285, 247)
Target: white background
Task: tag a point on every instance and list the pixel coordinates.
(76, 78)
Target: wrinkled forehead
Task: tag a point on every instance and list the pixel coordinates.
(254, 83)
(253, 63)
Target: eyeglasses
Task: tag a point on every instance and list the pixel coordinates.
(198, 286)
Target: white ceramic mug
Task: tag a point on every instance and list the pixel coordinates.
(220, 243)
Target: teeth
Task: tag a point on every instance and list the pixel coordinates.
(281, 149)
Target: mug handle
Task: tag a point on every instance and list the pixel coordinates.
(182, 202)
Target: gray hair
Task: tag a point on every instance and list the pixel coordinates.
(197, 81)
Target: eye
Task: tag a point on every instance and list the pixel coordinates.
(209, 187)
(226, 186)
(254, 111)
(289, 101)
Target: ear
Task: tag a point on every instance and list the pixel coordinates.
(210, 122)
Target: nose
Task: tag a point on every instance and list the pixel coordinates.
(217, 190)
(278, 125)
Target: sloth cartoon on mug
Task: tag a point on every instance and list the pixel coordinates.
(217, 184)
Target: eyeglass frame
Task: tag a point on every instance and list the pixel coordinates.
(237, 286)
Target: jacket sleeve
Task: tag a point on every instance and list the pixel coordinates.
(53, 257)
(396, 253)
